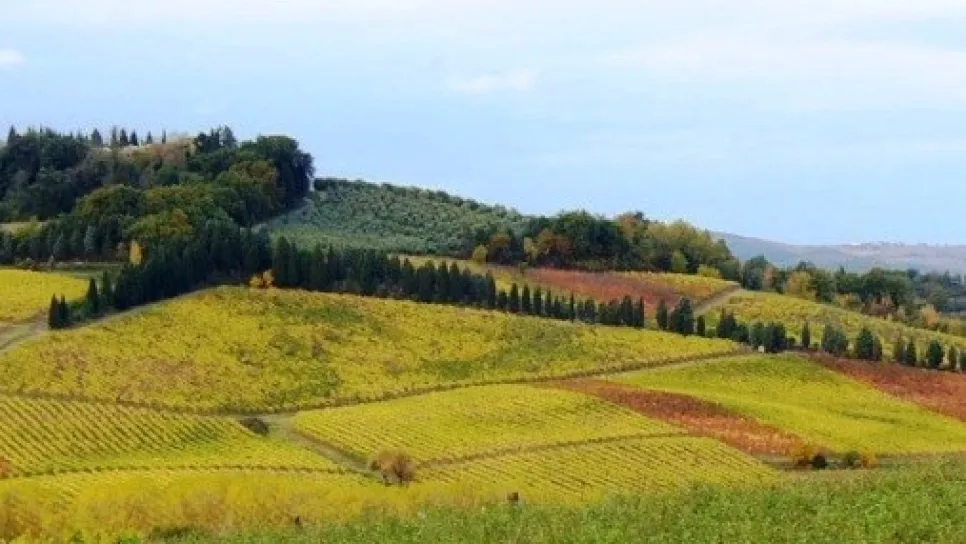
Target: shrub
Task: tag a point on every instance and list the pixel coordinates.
(819, 461)
(852, 459)
(255, 425)
(395, 467)
(868, 459)
(804, 456)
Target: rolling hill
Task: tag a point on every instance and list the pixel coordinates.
(853, 257)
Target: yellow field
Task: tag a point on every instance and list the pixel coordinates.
(793, 312)
(791, 393)
(590, 471)
(25, 295)
(38, 436)
(248, 350)
(696, 288)
(480, 420)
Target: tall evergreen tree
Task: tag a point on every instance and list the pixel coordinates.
(682, 319)
(96, 139)
(662, 316)
(865, 345)
(149, 139)
(952, 355)
(935, 355)
(122, 139)
(526, 300)
(93, 299)
(806, 336)
(64, 312)
(538, 302)
(899, 350)
(53, 313)
(911, 358)
(701, 326)
(514, 301)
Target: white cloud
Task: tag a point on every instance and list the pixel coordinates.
(10, 57)
(518, 81)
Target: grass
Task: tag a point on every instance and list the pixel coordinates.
(793, 312)
(38, 437)
(475, 421)
(793, 394)
(384, 217)
(911, 504)
(27, 294)
(282, 350)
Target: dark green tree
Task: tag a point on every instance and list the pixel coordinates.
(662, 316)
(911, 358)
(526, 300)
(899, 350)
(682, 318)
(514, 300)
(93, 299)
(935, 355)
(701, 327)
(865, 345)
(952, 355)
(806, 336)
(53, 313)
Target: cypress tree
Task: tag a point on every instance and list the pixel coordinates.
(877, 350)
(526, 300)
(93, 299)
(935, 355)
(899, 350)
(806, 337)
(64, 312)
(911, 358)
(701, 326)
(627, 312)
(572, 308)
(662, 316)
(865, 345)
(503, 301)
(514, 301)
(538, 302)
(53, 313)
(952, 355)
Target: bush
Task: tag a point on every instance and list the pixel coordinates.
(819, 461)
(255, 425)
(868, 459)
(395, 467)
(852, 459)
(803, 457)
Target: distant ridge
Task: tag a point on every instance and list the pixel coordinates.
(854, 257)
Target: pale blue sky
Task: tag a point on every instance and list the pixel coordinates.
(799, 120)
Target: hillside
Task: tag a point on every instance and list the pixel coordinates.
(390, 218)
(285, 349)
(853, 257)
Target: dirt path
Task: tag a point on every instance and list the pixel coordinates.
(281, 427)
(715, 301)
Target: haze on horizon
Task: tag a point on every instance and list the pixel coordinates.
(804, 121)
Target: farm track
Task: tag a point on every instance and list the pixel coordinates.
(176, 469)
(281, 427)
(708, 305)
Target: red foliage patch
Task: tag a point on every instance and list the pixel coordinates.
(943, 392)
(700, 417)
(604, 287)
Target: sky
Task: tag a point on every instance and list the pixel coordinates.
(804, 121)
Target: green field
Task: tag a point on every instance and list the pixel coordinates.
(385, 217)
(794, 394)
(281, 350)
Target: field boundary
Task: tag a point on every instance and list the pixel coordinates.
(174, 468)
(716, 300)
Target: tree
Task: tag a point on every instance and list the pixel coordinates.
(96, 139)
(93, 299)
(877, 349)
(865, 345)
(935, 355)
(134, 139)
(479, 254)
(514, 300)
(679, 263)
(122, 139)
(149, 139)
(59, 249)
(899, 350)
(164, 136)
(952, 355)
(526, 300)
(911, 358)
(662, 315)
(682, 318)
(806, 337)
(53, 313)
(756, 335)
(701, 326)
(107, 291)
(11, 135)
(63, 312)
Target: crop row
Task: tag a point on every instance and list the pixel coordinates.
(822, 407)
(590, 471)
(39, 436)
(284, 350)
(474, 421)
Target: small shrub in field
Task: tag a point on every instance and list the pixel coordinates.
(819, 461)
(852, 459)
(255, 425)
(396, 467)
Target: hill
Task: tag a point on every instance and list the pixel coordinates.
(285, 349)
(391, 218)
(853, 257)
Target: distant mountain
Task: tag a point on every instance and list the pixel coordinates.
(854, 257)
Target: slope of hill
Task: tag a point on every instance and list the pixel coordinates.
(286, 349)
(25, 295)
(854, 257)
(826, 408)
(750, 306)
(391, 218)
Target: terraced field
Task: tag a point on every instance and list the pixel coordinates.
(590, 471)
(39, 436)
(282, 350)
(793, 312)
(477, 421)
(823, 407)
(25, 294)
(699, 417)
